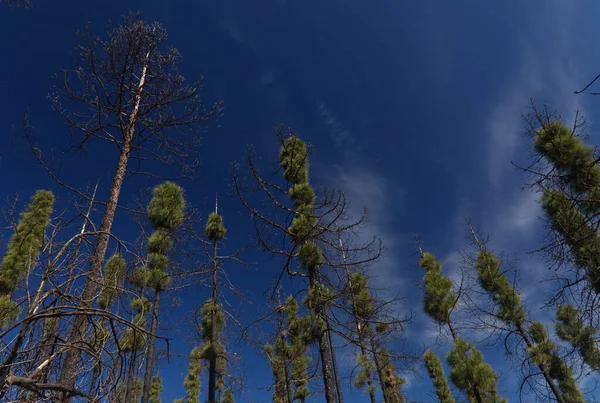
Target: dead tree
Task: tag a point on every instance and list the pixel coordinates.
(126, 91)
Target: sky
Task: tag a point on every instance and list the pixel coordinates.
(412, 108)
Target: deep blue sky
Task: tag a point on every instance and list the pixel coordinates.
(413, 108)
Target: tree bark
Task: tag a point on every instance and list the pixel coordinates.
(150, 356)
(130, 375)
(340, 396)
(324, 349)
(68, 375)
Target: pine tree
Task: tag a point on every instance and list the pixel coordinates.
(23, 249)
(509, 309)
(374, 356)
(288, 356)
(572, 330)
(468, 371)
(213, 348)
(146, 120)
(544, 352)
(166, 212)
(436, 373)
(133, 341)
(293, 157)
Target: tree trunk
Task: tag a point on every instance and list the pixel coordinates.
(324, 349)
(336, 375)
(212, 370)
(47, 350)
(150, 353)
(542, 367)
(359, 331)
(70, 368)
(380, 372)
(130, 375)
(68, 375)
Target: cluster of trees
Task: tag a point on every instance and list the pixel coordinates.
(81, 308)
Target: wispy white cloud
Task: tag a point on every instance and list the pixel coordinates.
(366, 188)
(338, 133)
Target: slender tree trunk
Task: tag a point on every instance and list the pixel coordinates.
(150, 352)
(212, 370)
(363, 351)
(336, 375)
(359, 331)
(130, 375)
(70, 367)
(542, 367)
(68, 375)
(47, 350)
(324, 349)
(380, 372)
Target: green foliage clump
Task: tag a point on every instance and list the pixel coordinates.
(302, 193)
(293, 157)
(309, 255)
(493, 281)
(544, 352)
(159, 242)
(207, 322)
(575, 162)
(157, 261)
(362, 377)
(436, 373)
(319, 296)
(470, 374)
(136, 390)
(155, 390)
(113, 276)
(227, 396)
(361, 295)
(572, 330)
(215, 229)
(439, 298)
(139, 276)
(25, 244)
(288, 355)
(8, 311)
(303, 226)
(389, 379)
(166, 209)
(158, 279)
(576, 231)
(192, 380)
(133, 339)
(141, 305)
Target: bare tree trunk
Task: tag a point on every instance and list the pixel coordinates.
(69, 371)
(150, 356)
(130, 375)
(68, 375)
(336, 375)
(380, 372)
